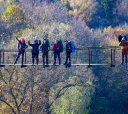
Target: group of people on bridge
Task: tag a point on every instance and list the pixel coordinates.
(58, 48)
(45, 47)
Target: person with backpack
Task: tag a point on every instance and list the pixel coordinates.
(68, 52)
(21, 49)
(124, 46)
(56, 52)
(35, 50)
(45, 48)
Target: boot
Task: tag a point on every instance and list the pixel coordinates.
(33, 61)
(65, 63)
(37, 61)
(16, 59)
(126, 60)
(15, 62)
(54, 63)
(122, 61)
(69, 63)
(59, 62)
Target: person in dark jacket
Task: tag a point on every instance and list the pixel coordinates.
(45, 48)
(68, 52)
(35, 50)
(56, 52)
(21, 49)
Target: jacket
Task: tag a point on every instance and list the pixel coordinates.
(124, 45)
(56, 47)
(68, 48)
(35, 47)
(44, 47)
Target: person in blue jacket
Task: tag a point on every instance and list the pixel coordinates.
(35, 50)
(21, 49)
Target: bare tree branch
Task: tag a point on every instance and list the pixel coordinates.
(8, 105)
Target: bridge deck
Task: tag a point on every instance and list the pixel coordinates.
(90, 59)
(52, 65)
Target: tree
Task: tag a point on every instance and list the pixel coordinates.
(120, 12)
(42, 82)
(108, 8)
(13, 89)
(14, 15)
(84, 9)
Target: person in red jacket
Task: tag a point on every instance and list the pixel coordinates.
(56, 51)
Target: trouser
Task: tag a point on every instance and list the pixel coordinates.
(57, 54)
(45, 55)
(68, 56)
(124, 54)
(19, 53)
(33, 57)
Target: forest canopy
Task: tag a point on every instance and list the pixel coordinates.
(60, 90)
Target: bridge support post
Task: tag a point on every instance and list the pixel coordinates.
(0, 57)
(90, 57)
(112, 58)
(3, 57)
(0, 60)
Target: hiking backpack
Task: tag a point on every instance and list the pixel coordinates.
(119, 38)
(20, 40)
(48, 43)
(72, 46)
(61, 45)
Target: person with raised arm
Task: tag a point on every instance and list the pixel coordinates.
(35, 50)
(21, 49)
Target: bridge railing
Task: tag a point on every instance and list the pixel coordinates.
(90, 56)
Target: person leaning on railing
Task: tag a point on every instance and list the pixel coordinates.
(124, 45)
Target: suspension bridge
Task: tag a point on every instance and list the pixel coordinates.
(88, 56)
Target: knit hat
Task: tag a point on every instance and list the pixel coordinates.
(35, 40)
(66, 41)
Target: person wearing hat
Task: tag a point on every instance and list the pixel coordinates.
(68, 52)
(124, 46)
(45, 48)
(35, 50)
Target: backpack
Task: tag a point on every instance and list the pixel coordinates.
(125, 38)
(119, 38)
(61, 45)
(47, 41)
(20, 40)
(72, 46)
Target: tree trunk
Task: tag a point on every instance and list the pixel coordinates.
(47, 106)
(32, 79)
